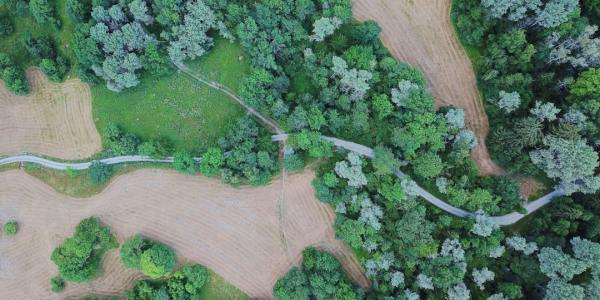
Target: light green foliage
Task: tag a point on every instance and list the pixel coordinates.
(556, 12)
(13, 76)
(455, 117)
(484, 225)
(571, 161)
(459, 292)
(157, 261)
(131, 251)
(321, 277)
(57, 284)
(188, 283)
(519, 243)
(10, 228)
(293, 162)
(481, 276)
(514, 10)
(382, 106)
(78, 258)
(324, 27)
(508, 102)
(384, 162)
(43, 11)
(558, 289)
(557, 264)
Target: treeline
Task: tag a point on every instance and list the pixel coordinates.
(537, 65)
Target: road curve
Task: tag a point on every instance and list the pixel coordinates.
(508, 219)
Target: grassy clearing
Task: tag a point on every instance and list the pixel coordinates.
(189, 115)
(218, 288)
(77, 183)
(12, 45)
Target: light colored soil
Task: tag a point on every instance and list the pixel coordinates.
(235, 232)
(529, 186)
(54, 119)
(420, 33)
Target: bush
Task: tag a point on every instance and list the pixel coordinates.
(55, 69)
(293, 162)
(157, 261)
(99, 172)
(185, 163)
(43, 12)
(10, 228)
(186, 283)
(152, 258)
(78, 257)
(57, 284)
(211, 162)
(77, 10)
(6, 26)
(40, 47)
(15, 80)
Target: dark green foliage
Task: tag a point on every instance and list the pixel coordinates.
(186, 283)
(78, 257)
(10, 228)
(293, 162)
(321, 277)
(40, 47)
(6, 26)
(57, 284)
(156, 61)
(99, 172)
(468, 17)
(152, 258)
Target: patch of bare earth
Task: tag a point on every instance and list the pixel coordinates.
(54, 119)
(234, 231)
(420, 33)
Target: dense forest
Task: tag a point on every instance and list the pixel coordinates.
(317, 71)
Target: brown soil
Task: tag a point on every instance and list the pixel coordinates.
(54, 119)
(420, 33)
(234, 231)
(529, 186)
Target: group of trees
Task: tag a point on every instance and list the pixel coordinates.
(537, 73)
(187, 283)
(41, 49)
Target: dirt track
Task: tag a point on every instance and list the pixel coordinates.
(420, 33)
(54, 119)
(235, 232)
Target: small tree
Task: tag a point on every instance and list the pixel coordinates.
(509, 102)
(57, 284)
(157, 261)
(99, 172)
(10, 228)
(211, 162)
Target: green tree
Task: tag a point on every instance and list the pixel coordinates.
(185, 163)
(99, 172)
(43, 12)
(10, 228)
(293, 286)
(212, 161)
(428, 165)
(78, 257)
(157, 261)
(57, 284)
(132, 250)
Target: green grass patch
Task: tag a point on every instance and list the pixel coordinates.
(76, 183)
(61, 37)
(176, 108)
(218, 288)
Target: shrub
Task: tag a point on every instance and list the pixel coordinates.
(157, 261)
(55, 69)
(6, 26)
(40, 47)
(43, 12)
(293, 162)
(211, 162)
(99, 172)
(185, 163)
(132, 250)
(14, 79)
(78, 257)
(10, 228)
(57, 284)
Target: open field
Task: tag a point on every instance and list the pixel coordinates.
(421, 34)
(54, 119)
(176, 108)
(235, 232)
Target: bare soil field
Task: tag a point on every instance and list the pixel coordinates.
(420, 33)
(236, 232)
(54, 119)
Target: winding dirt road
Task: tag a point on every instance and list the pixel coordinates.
(233, 231)
(420, 33)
